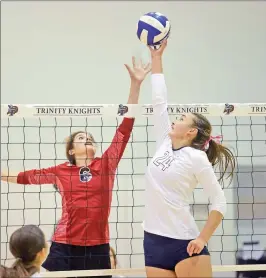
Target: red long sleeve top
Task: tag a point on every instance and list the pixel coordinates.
(86, 193)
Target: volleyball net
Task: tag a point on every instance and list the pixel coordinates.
(33, 137)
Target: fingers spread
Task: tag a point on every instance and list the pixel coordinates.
(134, 62)
(128, 68)
(147, 67)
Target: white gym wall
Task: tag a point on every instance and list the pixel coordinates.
(73, 53)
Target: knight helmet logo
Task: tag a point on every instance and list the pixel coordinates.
(85, 174)
(228, 108)
(12, 110)
(122, 110)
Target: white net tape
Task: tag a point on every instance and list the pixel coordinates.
(113, 110)
(140, 271)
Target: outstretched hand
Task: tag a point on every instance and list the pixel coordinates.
(138, 71)
(157, 52)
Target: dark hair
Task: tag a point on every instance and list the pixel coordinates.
(69, 146)
(25, 243)
(217, 153)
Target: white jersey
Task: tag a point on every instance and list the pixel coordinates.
(172, 175)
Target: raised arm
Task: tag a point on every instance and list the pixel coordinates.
(35, 176)
(115, 151)
(159, 97)
(137, 74)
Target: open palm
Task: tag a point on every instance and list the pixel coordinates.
(138, 71)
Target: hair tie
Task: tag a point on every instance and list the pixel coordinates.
(217, 139)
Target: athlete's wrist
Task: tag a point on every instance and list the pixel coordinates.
(157, 57)
(136, 83)
(201, 238)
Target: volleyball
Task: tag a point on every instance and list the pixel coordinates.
(153, 28)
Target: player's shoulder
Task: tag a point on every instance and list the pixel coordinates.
(199, 157)
(64, 165)
(97, 162)
(167, 143)
(193, 152)
(97, 158)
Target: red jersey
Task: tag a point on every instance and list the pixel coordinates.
(86, 192)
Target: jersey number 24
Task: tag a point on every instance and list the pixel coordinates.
(164, 161)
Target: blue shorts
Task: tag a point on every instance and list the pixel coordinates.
(66, 257)
(164, 252)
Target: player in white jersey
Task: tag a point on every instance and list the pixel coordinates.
(185, 154)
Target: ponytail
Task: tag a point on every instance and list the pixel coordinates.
(18, 270)
(216, 152)
(223, 156)
(6, 272)
(25, 245)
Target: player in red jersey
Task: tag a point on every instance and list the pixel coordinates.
(85, 182)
